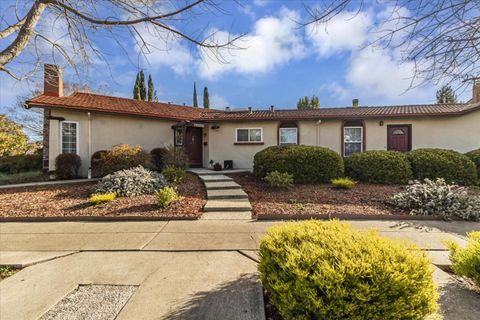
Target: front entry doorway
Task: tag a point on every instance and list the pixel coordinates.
(193, 145)
(399, 138)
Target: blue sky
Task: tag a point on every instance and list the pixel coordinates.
(278, 63)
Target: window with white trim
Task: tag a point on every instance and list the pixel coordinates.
(249, 135)
(69, 137)
(288, 135)
(352, 140)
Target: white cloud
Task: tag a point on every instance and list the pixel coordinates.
(274, 41)
(218, 102)
(261, 3)
(346, 31)
(336, 90)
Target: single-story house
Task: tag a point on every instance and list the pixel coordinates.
(83, 123)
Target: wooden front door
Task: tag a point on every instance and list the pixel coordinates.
(399, 138)
(193, 145)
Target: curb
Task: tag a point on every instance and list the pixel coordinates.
(96, 219)
(270, 217)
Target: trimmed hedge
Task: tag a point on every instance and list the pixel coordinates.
(67, 165)
(305, 163)
(96, 163)
(21, 163)
(431, 164)
(328, 270)
(389, 167)
(158, 158)
(474, 155)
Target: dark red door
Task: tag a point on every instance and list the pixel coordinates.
(399, 138)
(193, 144)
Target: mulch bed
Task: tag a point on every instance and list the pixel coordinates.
(318, 199)
(72, 200)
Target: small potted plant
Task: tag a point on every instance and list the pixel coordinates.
(217, 167)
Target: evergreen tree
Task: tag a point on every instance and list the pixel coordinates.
(151, 89)
(195, 101)
(446, 95)
(308, 103)
(206, 99)
(143, 88)
(136, 88)
(155, 97)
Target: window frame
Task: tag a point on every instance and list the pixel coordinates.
(181, 132)
(248, 142)
(280, 136)
(77, 133)
(345, 142)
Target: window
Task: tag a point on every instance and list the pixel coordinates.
(353, 140)
(179, 136)
(249, 135)
(398, 132)
(69, 137)
(288, 135)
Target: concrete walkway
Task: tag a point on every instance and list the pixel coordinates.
(47, 183)
(225, 198)
(202, 269)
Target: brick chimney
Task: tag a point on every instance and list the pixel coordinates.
(476, 91)
(52, 81)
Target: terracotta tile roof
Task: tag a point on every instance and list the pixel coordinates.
(101, 103)
(96, 102)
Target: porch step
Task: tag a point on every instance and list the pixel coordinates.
(227, 205)
(226, 194)
(221, 185)
(227, 215)
(215, 178)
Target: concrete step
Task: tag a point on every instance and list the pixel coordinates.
(226, 194)
(227, 205)
(221, 185)
(227, 215)
(215, 178)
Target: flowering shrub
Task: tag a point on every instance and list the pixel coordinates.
(131, 182)
(437, 197)
(166, 196)
(99, 198)
(281, 180)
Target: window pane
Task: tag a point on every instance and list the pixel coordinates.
(255, 135)
(351, 148)
(288, 135)
(353, 134)
(69, 137)
(242, 135)
(179, 137)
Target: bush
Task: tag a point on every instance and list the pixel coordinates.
(176, 157)
(131, 182)
(166, 196)
(174, 174)
(120, 157)
(343, 183)
(389, 167)
(99, 198)
(327, 270)
(21, 163)
(157, 156)
(305, 163)
(437, 197)
(454, 167)
(67, 165)
(281, 180)
(475, 157)
(466, 261)
(96, 163)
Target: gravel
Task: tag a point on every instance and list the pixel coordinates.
(95, 302)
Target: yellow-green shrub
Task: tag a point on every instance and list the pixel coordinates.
(120, 157)
(343, 183)
(99, 198)
(166, 196)
(280, 180)
(466, 261)
(174, 174)
(328, 270)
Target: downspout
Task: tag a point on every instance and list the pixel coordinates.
(89, 116)
(317, 137)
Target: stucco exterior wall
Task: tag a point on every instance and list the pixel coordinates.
(109, 130)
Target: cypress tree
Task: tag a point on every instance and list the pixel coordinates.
(206, 99)
(143, 88)
(155, 97)
(446, 95)
(195, 101)
(136, 88)
(151, 89)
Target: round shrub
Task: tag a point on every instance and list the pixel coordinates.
(327, 270)
(158, 157)
(305, 163)
(431, 164)
(475, 157)
(389, 167)
(95, 163)
(120, 157)
(67, 165)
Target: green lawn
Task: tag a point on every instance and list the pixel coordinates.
(20, 177)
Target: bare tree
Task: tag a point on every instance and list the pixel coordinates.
(441, 37)
(88, 20)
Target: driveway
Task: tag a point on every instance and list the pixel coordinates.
(179, 269)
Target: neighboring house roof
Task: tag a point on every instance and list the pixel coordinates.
(101, 103)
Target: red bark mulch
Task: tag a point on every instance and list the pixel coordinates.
(72, 200)
(308, 199)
